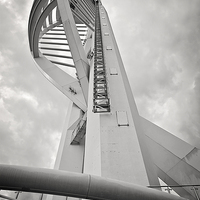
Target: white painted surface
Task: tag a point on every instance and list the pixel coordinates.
(113, 151)
(108, 48)
(76, 48)
(69, 157)
(177, 162)
(92, 159)
(121, 156)
(193, 158)
(161, 156)
(113, 71)
(122, 118)
(167, 140)
(62, 81)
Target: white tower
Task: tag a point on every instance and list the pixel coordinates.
(73, 44)
(104, 134)
(105, 138)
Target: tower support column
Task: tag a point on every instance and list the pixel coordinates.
(116, 136)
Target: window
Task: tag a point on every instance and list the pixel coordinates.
(122, 118)
(108, 48)
(113, 71)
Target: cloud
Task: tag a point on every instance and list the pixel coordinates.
(159, 43)
(29, 129)
(160, 46)
(32, 110)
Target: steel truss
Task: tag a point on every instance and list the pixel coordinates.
(101, 101)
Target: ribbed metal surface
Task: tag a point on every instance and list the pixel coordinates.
(101, 102)
(45, 13)
(64, 183)
(53, 43)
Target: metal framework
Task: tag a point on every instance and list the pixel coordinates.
(101, 100)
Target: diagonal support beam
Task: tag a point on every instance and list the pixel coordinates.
(62, 81)
(177, 162)
(76, 47)
(6, 197)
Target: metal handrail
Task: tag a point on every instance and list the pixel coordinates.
(176, 186)
(160, 186)
(63, 183)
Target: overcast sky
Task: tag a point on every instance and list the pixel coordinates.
(160, 45)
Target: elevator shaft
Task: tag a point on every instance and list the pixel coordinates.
(101, 102)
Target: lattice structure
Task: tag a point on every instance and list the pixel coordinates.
(101, 100)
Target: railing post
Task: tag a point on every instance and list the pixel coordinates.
(168, 190)
(195, 192)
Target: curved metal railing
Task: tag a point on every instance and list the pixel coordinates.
(45, 24)
(48, 43)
